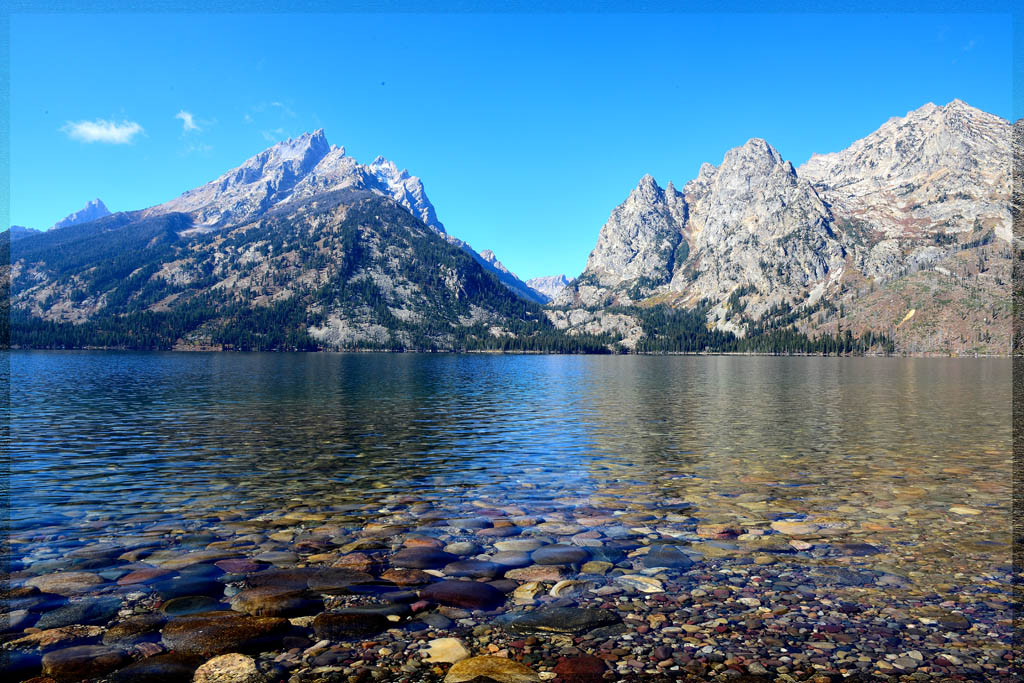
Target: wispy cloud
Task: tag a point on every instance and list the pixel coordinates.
(188, 121)
(197, 148)
(101, 130)
(275, 135)
(969, 45)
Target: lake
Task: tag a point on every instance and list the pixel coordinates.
(790, 515)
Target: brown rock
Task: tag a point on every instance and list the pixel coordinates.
(82, 662)
(52, 637)
(65, 583)
(487, 668)
(237, 565)
(134, 630)
(585, 669)
(348, 624)
(407, 577)
(229, 668)
(465, 594)
(537, 572)
(142, 576)
(360, 562)
(273, 601)
(214, 633)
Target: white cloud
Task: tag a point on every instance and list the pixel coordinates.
(188, 121)
(100, 130)
(275, 135)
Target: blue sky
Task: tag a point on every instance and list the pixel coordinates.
(527, 130)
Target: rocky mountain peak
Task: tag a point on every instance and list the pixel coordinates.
(936, 169)
(548, 286)
(93, 209)
(755, 157)
(293, 170)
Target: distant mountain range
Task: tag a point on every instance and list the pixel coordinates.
(901, 241)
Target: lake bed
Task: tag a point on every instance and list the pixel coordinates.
(342, 516)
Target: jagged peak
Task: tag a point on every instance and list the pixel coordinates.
(755, 155)
(300, 146)
(647, 189)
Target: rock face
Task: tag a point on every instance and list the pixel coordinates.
(640, 238)
(301, 168)
(548, 286)
(291, 171)
(937, 168)
(918, 207)
(93, 209)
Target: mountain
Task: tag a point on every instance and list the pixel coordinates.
(290, 172)
(298, 169)
(17, 232)
(300, 247)
(548, 286)
(906, 232)
(490, 262)
(92, 210)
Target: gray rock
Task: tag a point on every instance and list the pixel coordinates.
(558, 620)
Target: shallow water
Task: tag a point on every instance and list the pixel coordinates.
(109, 446)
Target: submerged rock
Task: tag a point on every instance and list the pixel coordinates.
(351, 623)
(214, 633)
(558, 620)
(465, 594)
(82, 662)
(229, 668)
(488, 668)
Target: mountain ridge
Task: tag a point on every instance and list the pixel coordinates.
(756, 235)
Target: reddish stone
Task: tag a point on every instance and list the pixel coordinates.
(583, 669)
(240, 565)
(142, 576)
(423, 542)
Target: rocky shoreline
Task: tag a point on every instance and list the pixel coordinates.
(595, 588)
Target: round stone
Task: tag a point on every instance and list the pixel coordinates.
(65, 583)
(474, 569)
(465, 594)
(511, 558)
(213, 633)
(82, 662)
(229, 668)
(274, 601)
(348, 624)
(560, 554)
(188, 604)
(421, 558)
(463, 548)
(487, 668)
(667, 556)
(142, 576)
